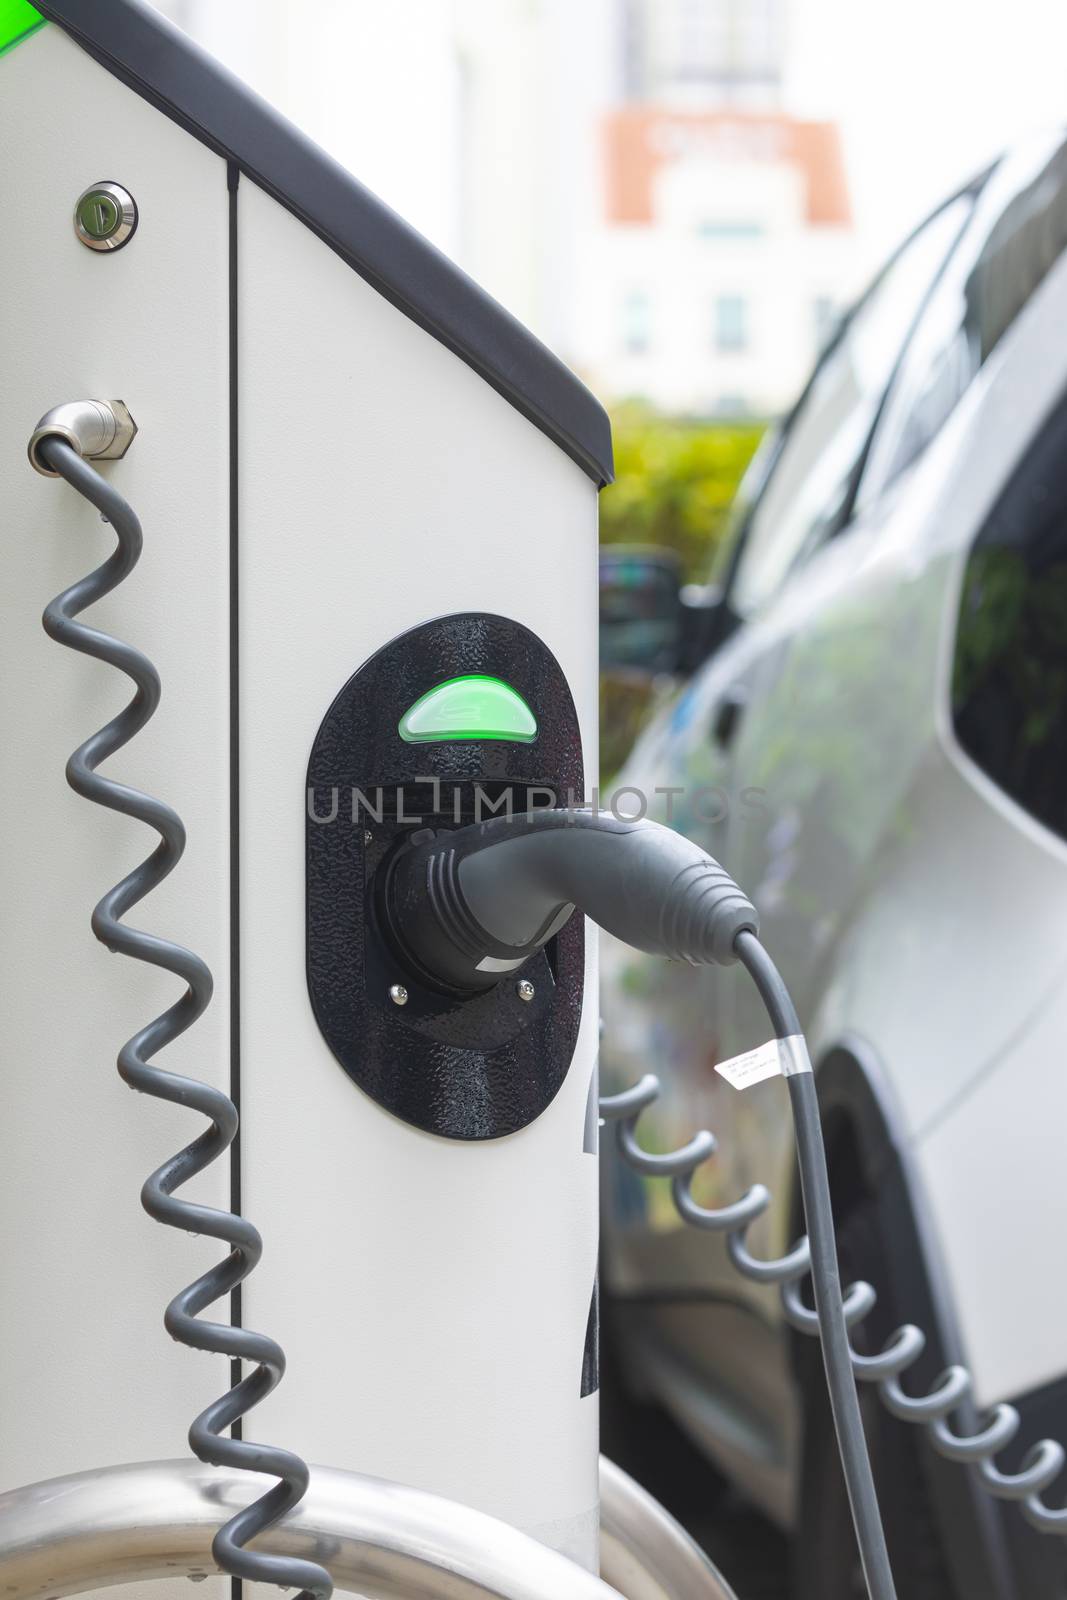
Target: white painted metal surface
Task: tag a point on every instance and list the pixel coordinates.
(382, 482)
(87, 1373)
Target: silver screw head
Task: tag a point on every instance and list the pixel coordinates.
(398, 995)
(525, 990)
(105, 216)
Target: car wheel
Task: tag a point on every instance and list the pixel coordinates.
(826, 1560)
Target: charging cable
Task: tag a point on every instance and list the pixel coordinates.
(464, 907)
(64, 444)
(825, 1276)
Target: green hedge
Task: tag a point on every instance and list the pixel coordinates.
(675, 479)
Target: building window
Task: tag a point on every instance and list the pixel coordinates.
(637, 322)
(719, 228)
(732, 406)
(715, 44)
(731, 323)
(824, 316)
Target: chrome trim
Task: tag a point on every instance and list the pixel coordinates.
(382, 1540)
(644, 1553)
(132, 1524)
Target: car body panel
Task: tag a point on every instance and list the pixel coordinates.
(908, 902)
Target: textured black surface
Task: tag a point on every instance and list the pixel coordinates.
(166, 68)
(591, 1349)
(465, 1069)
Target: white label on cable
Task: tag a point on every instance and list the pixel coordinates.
(794, 1054)
(783, 1058)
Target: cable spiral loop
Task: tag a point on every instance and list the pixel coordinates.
(1043, 1461)
(158, 1196)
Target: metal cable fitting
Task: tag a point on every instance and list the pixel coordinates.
(58, 456)
(1043, 1461)
(101, 430)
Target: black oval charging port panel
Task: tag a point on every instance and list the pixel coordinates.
(461, 1067)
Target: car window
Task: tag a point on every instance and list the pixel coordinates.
(1019, 232)
(815, 468)
(1009, 689)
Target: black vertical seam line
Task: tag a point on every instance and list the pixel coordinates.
(236, 1305)
(232, 178)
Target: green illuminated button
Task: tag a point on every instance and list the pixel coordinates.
(17, 19)
(469, 708)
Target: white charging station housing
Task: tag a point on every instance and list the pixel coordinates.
(339, 438)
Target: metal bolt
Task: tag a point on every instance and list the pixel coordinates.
(398, 995)
(525, 990)
(105, 217)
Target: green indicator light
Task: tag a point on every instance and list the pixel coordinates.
(17, 19)
(469, 708)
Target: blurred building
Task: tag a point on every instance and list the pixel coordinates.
(723, 259)
(724, 252)
(619, 173)
(695, 50)
(475, 119)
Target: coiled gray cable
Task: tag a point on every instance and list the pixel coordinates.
(500, 889)
(1042, 1463)
(819, 1257)
(182, 1320)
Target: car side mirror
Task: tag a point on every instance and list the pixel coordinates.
(707, 622)
(641, 612)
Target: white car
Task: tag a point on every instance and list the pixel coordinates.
(875, 745)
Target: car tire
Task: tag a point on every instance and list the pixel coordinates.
(826, 1562)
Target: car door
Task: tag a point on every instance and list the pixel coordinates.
(839, 683)
(709, 1340)
(837, 672)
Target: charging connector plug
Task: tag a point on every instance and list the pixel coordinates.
(467, 907)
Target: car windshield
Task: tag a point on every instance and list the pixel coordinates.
(804, 486)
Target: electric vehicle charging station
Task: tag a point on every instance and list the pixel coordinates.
(367, 576)
(339, 438)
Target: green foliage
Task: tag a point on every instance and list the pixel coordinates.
(674, 481)
(627, 701)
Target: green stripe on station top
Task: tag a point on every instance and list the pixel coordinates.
(474, 707)
(17, 19)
